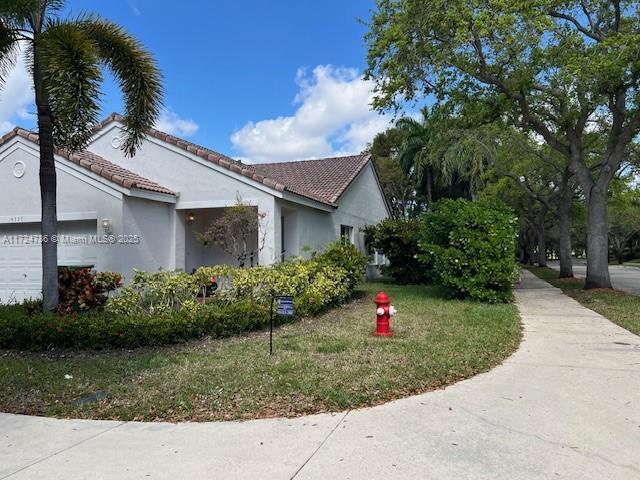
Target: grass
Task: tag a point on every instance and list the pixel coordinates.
(329, 363)
(619, 307)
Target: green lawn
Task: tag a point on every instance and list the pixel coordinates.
(619, 307)
(324, 364)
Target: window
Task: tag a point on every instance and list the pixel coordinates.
(346, 233)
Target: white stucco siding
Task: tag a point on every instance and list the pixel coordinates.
(82, 202)
(306, 229)
(201, 184)
(146, 239)
(361, 204)
(77, 199)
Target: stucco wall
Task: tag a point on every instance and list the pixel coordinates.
(361, 205)
(147, 236)
(81, 206)
(201, 184)
(20, 197)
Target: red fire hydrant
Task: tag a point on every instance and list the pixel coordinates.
(384, 312)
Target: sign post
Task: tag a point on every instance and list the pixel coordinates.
(284, 307)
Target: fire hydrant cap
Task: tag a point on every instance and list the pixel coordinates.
(382, 298)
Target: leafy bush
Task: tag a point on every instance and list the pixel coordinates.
(151, 294)
(168, 307)
(22, 329)
(341, 255)
(470, 248)
(398, 241)
(82, 289)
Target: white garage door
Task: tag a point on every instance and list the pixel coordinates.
(21, 258)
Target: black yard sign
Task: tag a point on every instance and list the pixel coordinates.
(284, 307)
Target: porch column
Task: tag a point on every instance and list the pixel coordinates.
(179, 238)
(270, 231)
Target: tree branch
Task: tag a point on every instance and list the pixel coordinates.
(577, 24)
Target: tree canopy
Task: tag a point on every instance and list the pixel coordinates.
(566, 70)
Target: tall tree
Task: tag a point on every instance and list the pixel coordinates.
(400, 189)
(67, 57)
(546, 179)
(441, 152)
(562, 69)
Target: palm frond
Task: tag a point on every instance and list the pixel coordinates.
(9, 47)
(16, 13)
(71, 71)
(136, 72)
(31, 14)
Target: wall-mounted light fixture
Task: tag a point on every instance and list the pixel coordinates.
(191, 217)
(106, 226)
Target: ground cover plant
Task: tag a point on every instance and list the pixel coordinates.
(619, 307)
(326, 363)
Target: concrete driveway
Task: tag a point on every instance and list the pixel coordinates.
(565, 405)
(622, 277)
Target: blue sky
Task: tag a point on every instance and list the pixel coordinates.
(260, 80)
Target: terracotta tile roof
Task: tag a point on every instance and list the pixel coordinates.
(204, 153)
(321, 180)
(324, 180)
(98, 165)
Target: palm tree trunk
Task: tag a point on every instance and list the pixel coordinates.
(49, 222)
(429, 187)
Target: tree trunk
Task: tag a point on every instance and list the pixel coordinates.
(564, 227)
(542, 244)
(49, 222)
(429, 187)
(597, 240)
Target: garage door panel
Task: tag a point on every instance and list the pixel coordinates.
(21, 257)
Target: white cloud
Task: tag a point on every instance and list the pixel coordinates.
(17, 98)
(170, 122)
(333, 117)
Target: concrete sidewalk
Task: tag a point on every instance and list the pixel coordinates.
(565, 405)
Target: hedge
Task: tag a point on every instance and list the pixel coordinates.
(168, 307)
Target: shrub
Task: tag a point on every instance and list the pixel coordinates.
(470, 248)
(82, 289)
(398, 241)
(166, 307)
(98, 330)
(341, 255)
(152, 294)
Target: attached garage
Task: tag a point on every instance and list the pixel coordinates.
(21, 259)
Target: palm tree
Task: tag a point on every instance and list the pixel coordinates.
(440, 152)
(66, 57)
(414, 154)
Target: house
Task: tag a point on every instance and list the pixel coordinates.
(119, 214)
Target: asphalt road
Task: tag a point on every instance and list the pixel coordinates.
(622, 277)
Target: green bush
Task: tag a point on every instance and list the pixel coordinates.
(155, 294)
(398, 241)
(22, 329)
(470, 248)
(345, 256)
(168, 307)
